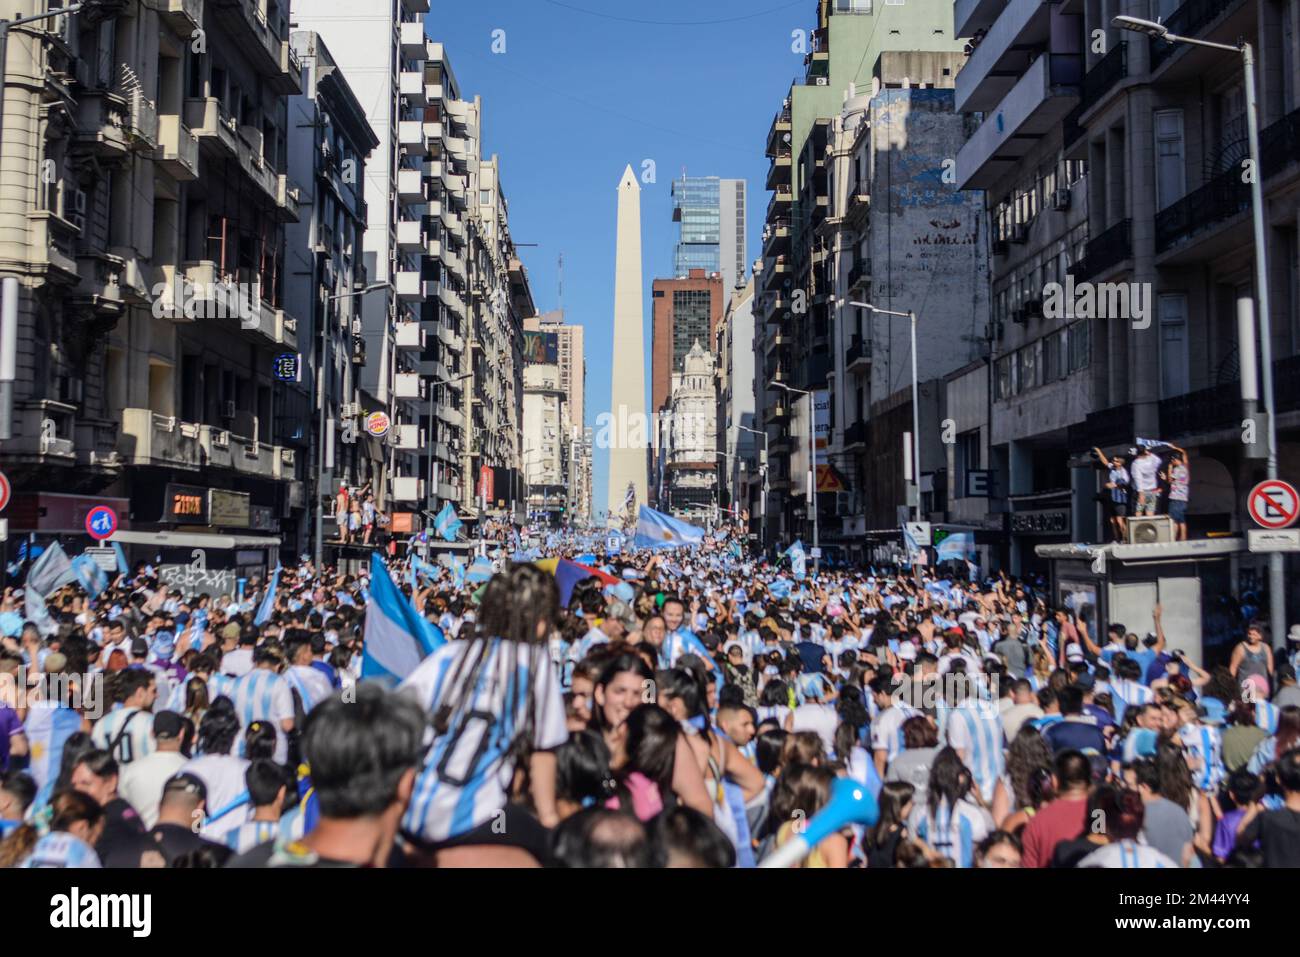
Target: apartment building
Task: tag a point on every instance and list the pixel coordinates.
(329, 142)
(570, 357)
(903, 238)
(794, 307)
(146, 196)
(546, 448)
(738, 462)
(688, 479)
(1114, 160)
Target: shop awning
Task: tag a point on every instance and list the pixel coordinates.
(170, 539)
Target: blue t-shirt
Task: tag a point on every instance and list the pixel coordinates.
(1144, 657)
(1075, 735)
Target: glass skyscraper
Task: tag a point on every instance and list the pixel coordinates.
(712, 216)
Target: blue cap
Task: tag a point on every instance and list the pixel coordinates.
(1141, 743)
(1213, 712)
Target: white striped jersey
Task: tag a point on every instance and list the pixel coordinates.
(137, 742)
(1266, 716)
(312, 685)
(1127, 693)
(468, 771)
(61, 849)
(887, 731)
(773, 712)
(263, 695)
(953, 831)
(1204, 747)
(583, 646)
(227, 805)
(250, 834)
(678, 643)
(975, 729)
(1126, 853)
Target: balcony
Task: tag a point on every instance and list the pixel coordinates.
(860, 276)
(410, 187)
(407, 488)
(409, 335)
(433, 131)
(142, 120)
(449, 491)
(288, 199)
(52, 247)
(972, 16)
(450, 338)
(411, 137)
(409, 285)
(449, 414)
(1222, 198)
(409, 437)
(1021, 29)
(1040, 100)
(1105, 251)
(178, 149)
(776, 237)
(183, 16)
(260, 42)
(858, 357)
(101, 284)
(408, 385)
(1102, 78)
(410, 235)
(776, 132)
(1205, 410)
(214, 447)
(102, 121)
(1113, 426)
(451, 299)
(253, 458)
(147, 438)
(412, 40)
(210, 122)
(1279, 145)
(779, 171)
(410, 84)
(453, 261)
(857, 435)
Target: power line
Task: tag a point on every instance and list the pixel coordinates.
(676, 23)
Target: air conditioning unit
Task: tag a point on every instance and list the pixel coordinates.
(1150, 529)
(1061, 199)
(350, 410)
(228, 409)
(1019, 233)
(76, 208)
(823, 81)
(220, 439)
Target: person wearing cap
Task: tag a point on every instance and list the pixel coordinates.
(142, 781)
(181, 803)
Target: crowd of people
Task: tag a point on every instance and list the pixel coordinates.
(680, 708)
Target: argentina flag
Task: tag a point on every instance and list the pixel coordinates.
(268, 602)
(658, 530)
(89, 575)
(798, 559)
(397, 637)
(448, 523)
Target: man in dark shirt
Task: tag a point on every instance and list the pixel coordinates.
(119, 843)
(1077, 731)
(183, 804)
(1278, 832)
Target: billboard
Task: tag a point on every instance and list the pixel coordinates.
(541, 347)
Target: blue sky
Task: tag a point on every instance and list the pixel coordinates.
(585, 87)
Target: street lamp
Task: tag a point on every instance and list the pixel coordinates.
(326, 479)
(763, 467)
(916, 398)
(1276, 577)
(812, 459)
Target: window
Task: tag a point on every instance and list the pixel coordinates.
(1002, 378)
(1173, 345)
(1055, 361)
(966, 458)
(1170, 183)
(1027, 359)
(1079, 346)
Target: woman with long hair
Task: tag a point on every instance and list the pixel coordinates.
(494, 704)
(800, 793)
(76, 822)
(881, 841)
(1027, 784)
(950, 821)
(1279, 743)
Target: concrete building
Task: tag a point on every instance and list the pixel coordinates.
(570, 358)
(903, 237)
(712, 234)
(793, 296)
(328, 143)
(1113, 161)
(689, 478)
(735, 391)
(376, 48)
(546, 448)
(684, 310)
(145, 197)
(627, 428)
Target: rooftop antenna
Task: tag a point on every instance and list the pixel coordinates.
(559, 281)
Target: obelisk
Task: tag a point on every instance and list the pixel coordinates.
(630, 437)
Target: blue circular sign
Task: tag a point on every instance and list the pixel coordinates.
(101, 522)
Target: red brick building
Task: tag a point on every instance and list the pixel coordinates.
(684, 310)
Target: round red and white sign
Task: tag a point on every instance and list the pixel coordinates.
(1274, 504)
(5, 491)
(377, 423)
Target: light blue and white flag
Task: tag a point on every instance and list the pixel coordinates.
(397, 638)
(35, 611)
(51, 571)
(268, 602)
(479, 571)
(958, 546)
(448, 523)
(659, 530)
(798, 559)
(122, 567)
(89, 575)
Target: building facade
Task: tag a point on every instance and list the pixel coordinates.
(546, 447)
(689, 477)
(738, 461)
(685, 311)
(711, 212)
(145, 198)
